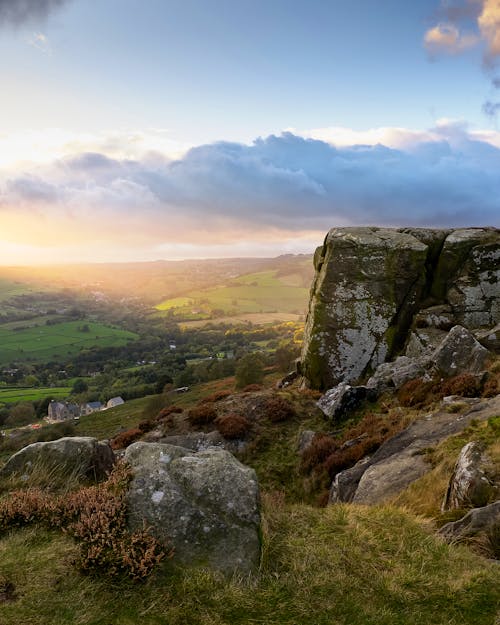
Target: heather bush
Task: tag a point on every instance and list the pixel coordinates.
(202, 414)
(232, 425)
(465, 385)
(146, 426)
(279, 409)
(217, 396)
(251, 388)
(124, 439)
(95, 517)
(167, 412)
(415, 393)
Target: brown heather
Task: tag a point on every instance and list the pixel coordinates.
(124, 439)
(95, 516)
(203, 414)
(232, 425)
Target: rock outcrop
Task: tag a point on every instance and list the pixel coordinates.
(78, 456)
(374, 285)
(206, 504)
(469, 484)
(477, 521)
(398, 462)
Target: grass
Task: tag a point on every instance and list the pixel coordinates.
(424, 497)
(11, 395)
(262, 292)
(343, 565)
(43, 343)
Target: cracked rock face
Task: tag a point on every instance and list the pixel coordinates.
(371, 283)
(205, 504)
(469, 485)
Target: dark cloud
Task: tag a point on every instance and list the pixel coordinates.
(17, 12)
(288, 183)
(490, 109)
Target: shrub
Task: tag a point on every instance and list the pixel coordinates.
(332, 455)
(124, 439)
(146, 426)
(217, 396)
(95, 517)
(202, 414)
(167, 412)
(465, 385)
(416, 393)
(251, 388)
(232, 425)
(279, 409)
(491, 387)
(318, 451)
(249, 370)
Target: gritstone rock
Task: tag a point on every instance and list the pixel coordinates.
(206, 504)
(80, 456)
(469, 485)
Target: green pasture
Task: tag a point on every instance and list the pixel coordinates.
(253, 293)
(9, 289)
(12, 395)
(42, 343)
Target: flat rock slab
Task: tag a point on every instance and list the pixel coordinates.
(397, 463)
(474, 522)
(77, 456)
(205, 504)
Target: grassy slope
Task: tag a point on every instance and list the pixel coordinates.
(16, 394)
(340, 565)
(46, 342)
(252, 293)
(345, 564)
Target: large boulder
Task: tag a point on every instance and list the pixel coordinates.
(459, 352)
(367, 283)
(392, 375)
(469, 484)
(78, 456)
(477, 521)
(374, 286)
(206, 504)
(338, 402)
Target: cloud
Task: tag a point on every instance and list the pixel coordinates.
(277, 188)
(40, 42)
(489, 26)
(446, 38)
(19, 12)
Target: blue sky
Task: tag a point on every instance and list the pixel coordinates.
(115, 110)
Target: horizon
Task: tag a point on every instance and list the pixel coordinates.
(134, 133)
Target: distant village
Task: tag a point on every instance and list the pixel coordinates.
(63, 410)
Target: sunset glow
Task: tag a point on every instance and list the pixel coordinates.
(128, 144)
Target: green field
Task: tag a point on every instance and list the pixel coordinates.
(12, 395)
(262, 292)
(10, 288)
(43, 343)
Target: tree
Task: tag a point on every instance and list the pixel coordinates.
(249, 370)
(79, 386)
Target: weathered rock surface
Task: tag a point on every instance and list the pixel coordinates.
(459, 352)
(391, 375)
(339, 401)
(201, 441)
(474, 522)
(305, 439)
(374, 285)
(469, 484)
(206, 504)
(397, 463)
(79, 456)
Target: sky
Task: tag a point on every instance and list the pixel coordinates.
(149, 129)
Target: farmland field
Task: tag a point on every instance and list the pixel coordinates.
(49, 342)
(262, 292)
(15, 394)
